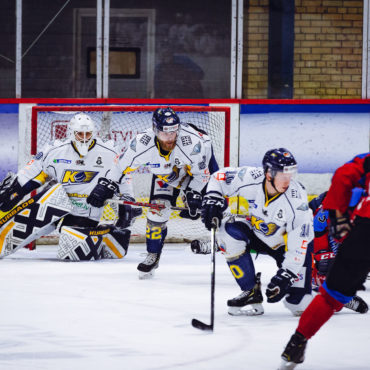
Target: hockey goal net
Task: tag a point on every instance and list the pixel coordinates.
(122, 123)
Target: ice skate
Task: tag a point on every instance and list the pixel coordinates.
(357, 304)
(294, 352)
(249, 302)
(148, 266)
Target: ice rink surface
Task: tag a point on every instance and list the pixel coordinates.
(99, 315)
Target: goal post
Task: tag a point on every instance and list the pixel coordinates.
(121, 123)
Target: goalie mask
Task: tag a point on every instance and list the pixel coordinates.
(82, 129)
(166, 126)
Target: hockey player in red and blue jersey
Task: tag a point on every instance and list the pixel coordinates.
(352, 263)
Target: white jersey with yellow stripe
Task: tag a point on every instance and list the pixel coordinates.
(284, 216)
(188, 161)
(61, 162)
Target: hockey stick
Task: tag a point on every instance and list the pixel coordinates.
(159, 207)
(195, 322)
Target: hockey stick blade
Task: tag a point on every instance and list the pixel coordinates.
(201, 325)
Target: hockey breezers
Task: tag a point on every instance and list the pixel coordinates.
(195, 322)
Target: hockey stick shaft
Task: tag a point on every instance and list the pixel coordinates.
(159, 207)
(196, 323)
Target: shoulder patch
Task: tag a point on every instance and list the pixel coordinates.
(303, 207)
(145, 139)
(133, 144)
(186, 140)
(196, 149)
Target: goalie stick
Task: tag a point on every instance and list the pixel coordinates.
(195, 322)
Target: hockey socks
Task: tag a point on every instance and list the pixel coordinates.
(242, 269)
(320, 310)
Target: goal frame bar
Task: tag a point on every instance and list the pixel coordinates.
(131, 108)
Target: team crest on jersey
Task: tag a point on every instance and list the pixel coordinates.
(196, 149)
(267, 229)
(78, 177)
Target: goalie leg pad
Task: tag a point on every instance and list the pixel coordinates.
(115, 243)
(33, 218)
(81, 244)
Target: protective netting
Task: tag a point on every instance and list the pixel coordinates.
(121, 124)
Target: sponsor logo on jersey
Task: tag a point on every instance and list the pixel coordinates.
(78, 177)
(256, 173)
(145, 139)
(99, 161)
(77, 195)
(268, 229)
(162, 184)
(16, 210)
(295, 193)
(230, 175)
(220, 176)
(152, 165)
(80, 162)
(196, 149)
(202, 165)
(186, 140)
(39, 155)
(241, 173)
(62, 161)
(79, 204)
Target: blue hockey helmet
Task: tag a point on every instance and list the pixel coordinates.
(165, 120)
(279, 159)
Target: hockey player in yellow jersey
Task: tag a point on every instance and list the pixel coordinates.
(76, 163)
(180, 157)
(278, 208)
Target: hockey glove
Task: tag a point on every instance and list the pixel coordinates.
(339, 227)
(213, 207)
(279, 285)
(127, 214)
(103, 190)
(193, 199)
(323, 261)
(10, 192)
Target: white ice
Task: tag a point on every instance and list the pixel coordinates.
(99, 315)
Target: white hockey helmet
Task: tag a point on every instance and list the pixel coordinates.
(82, 131)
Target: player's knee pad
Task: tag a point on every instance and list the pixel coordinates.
(156, 233)
(297, 303)
(116, 242)
(81, 244)
(161, 216)
(231, 241)
(242, 268)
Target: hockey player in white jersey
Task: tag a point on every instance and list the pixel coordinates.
(76, 163)
(180, 157)
(278, 209)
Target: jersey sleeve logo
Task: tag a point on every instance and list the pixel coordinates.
(145, 139)
(78, 177)
(186, 140)
(196, 149)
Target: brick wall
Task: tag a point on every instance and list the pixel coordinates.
(327, 49)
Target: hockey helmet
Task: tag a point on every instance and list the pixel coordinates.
(82, 130)
(279, 160)
(165, 120)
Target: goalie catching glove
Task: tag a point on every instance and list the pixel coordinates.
(279, 285)
(103, 190)
(213, 207)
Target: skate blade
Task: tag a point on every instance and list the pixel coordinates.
(146, 275)
(287, 365)
(249, 310)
